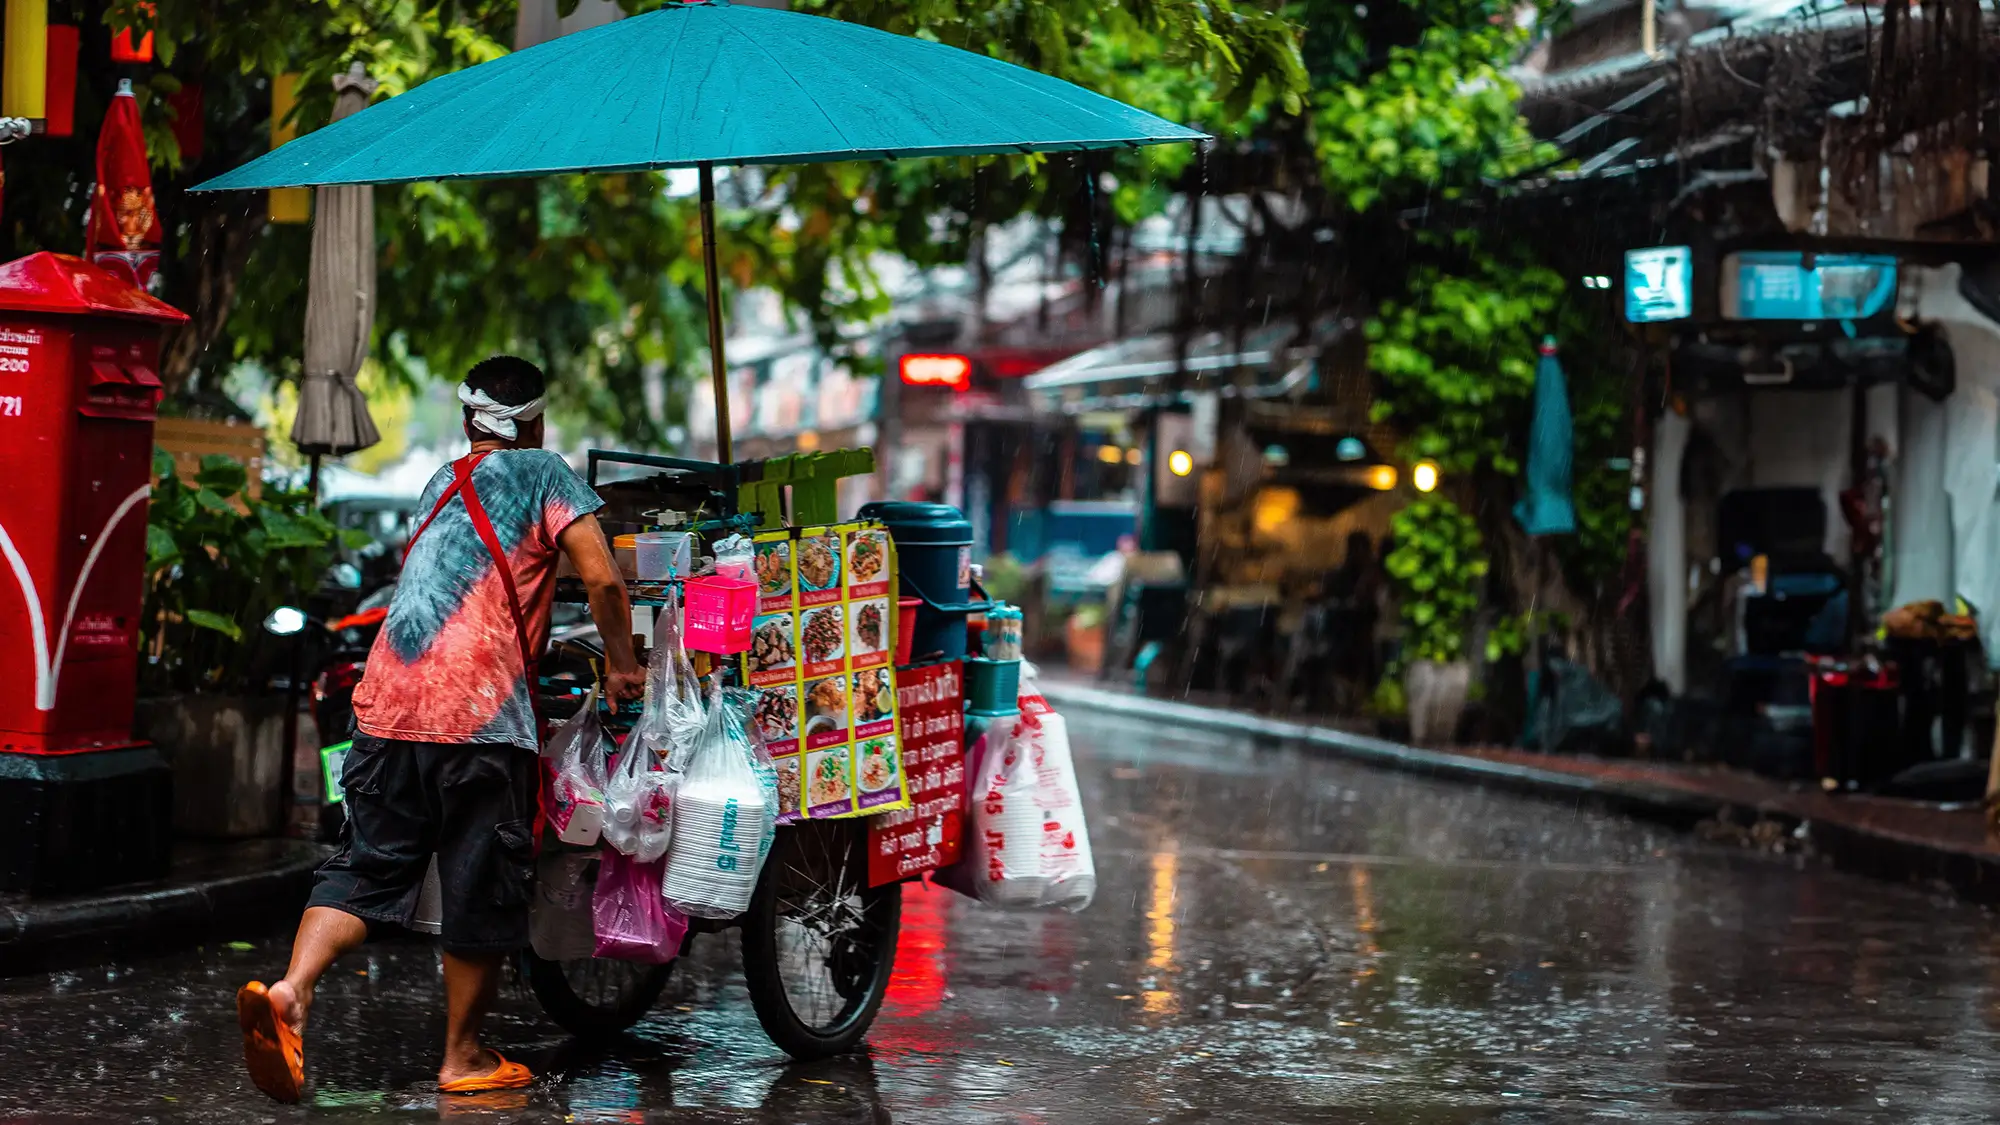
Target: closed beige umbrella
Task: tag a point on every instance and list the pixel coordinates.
(340, 307)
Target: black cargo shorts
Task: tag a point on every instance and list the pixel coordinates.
(471, 803)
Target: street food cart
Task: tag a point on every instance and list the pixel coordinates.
(722, 84)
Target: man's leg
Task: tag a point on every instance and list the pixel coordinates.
(324, 935)
(471, 980)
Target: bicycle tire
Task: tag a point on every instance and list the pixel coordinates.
(586, 1018)
(812, 867)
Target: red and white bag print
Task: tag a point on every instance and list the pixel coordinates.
(1027, 845)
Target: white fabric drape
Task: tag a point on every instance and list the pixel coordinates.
(1666, 552)
(1971, 440)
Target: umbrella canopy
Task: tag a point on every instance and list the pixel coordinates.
(340, 305)
(1545, 507)
(699, 84)
(706, 83)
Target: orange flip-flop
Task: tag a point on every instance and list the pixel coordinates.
(506, 1076)
(271, 1049)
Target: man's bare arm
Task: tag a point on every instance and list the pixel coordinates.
(583, 541)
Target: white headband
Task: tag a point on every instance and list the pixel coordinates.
(497, 418)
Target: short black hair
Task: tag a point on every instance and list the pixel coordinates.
(507, 379)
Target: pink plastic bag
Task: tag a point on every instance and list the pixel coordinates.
(632, 921)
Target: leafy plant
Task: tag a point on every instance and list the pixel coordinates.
(1435, 120)
(217, 562)
(1456, 357)
(1438, 568)
(1512, 634)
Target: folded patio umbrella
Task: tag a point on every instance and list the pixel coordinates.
(340, 307)
(1545, 507)
(699, 84)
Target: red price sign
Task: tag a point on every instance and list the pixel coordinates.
(925, 836)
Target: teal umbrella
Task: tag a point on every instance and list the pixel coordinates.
(700, 84)
(1545, 507)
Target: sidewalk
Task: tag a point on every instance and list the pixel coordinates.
(1887, 838)
(213, 891)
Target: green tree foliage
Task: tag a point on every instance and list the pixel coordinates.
(217, 562)
(1456, 357)
(597, 276)
(1438, 569)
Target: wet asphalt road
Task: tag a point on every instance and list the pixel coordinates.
(1277, 938)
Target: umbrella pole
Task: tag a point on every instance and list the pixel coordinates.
(312, 480)
(718, 366)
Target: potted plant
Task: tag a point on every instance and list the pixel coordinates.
(1437, 568)
(218, 560)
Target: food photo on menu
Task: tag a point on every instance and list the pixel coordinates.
(777, 716)
(819, 562)
(871, 633)
(823, 635)
(829, 781)
(788, 785)
(826, 707)
(874, 698)
(877, 757)
(774, 568)
(771, 647)
(867, 557)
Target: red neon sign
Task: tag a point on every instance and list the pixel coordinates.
(954, 371)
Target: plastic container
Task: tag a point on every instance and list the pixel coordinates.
(906, 627)
(625, 553)
(934, 562)
(992, 686)
(719, 611)
(736, 557)
(660, 555)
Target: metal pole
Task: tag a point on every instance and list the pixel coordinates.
(718, 367)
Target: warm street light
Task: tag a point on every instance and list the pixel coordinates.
(1424, 474)
(1382, 478)
(1180, 462)
(1110, 454)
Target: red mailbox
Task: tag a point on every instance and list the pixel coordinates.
(79, 387)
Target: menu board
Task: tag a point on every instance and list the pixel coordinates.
(821, 660)
(928, 834)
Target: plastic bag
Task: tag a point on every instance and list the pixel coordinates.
(735, 557)
(638, 804)
(577, 753)
(632, 922)
(560, 924)
(1026, 844)
(671, 721)
(725, 816)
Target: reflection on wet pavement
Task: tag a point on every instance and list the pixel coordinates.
(1277, 938)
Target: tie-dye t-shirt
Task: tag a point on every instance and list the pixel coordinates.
(446, 666)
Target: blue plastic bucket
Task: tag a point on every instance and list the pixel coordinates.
(992, 686)
(934, 562)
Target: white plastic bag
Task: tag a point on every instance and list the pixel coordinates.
(725, 814)
(559, 917)
(577, 753)
(1026, 843)
(671, 722)
(638, 804)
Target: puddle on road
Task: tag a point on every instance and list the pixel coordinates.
(1276, 939)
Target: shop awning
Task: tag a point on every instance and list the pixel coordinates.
(1143, 372)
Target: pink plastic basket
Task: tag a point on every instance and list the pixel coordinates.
(718, 614)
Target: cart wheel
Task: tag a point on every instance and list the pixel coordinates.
(596, 997)
(818, 942)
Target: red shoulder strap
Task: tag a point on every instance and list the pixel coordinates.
(461, 473)
(463, 487)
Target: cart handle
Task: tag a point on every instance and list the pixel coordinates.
(945, 607)
(723, 474)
